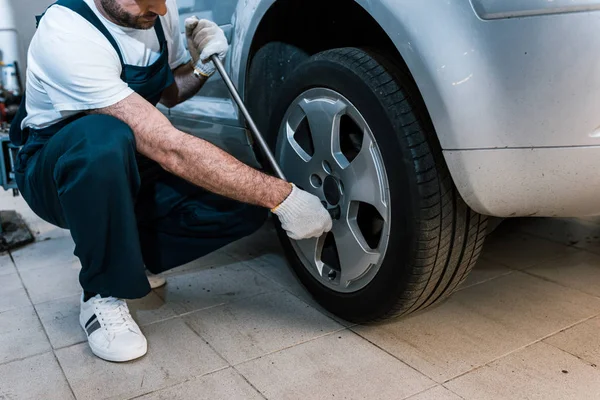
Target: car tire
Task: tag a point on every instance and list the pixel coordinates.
(434, 239)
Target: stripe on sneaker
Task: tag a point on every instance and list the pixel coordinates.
(92, 319)
(93, 328)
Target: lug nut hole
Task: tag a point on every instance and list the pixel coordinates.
(332, 275)
(316, 181)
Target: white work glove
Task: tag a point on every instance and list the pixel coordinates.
(303, 216)
(205, 39)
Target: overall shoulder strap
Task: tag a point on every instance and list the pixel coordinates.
(160, 33)
(81, 8)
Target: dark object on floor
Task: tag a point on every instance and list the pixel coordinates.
(15, 232)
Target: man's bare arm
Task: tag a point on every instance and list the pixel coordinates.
(186, 85)
(195, 159)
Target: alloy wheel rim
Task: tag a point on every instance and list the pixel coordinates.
(326, 147)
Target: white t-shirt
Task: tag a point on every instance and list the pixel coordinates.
(73, 67)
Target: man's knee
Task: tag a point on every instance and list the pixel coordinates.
(104, 131)
(98, 145)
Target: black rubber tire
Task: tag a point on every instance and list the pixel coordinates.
(435, 238)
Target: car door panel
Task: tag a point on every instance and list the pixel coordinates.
(212, 114)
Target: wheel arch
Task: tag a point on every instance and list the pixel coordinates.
(427, 56)
(378, 24)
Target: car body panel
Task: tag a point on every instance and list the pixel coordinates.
(486, 84)
(494, 75)
(495, 9)
(211, 113)
(542, 182)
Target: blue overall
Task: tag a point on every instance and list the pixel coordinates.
(124, 212)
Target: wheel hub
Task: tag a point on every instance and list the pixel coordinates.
(331, 189)
(326, 146)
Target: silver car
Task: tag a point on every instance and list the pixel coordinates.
(413, 120)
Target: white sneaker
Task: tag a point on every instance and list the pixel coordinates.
(112, 333)
(155, 281)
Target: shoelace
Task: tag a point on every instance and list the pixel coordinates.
(114, 313)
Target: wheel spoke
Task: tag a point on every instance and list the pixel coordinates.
(296, 164)
(324, 120)
(366, 177)
(311, 250)
(355, 256)
(326, 147)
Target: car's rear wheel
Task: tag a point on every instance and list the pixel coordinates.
(349, 127)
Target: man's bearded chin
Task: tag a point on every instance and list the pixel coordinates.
(123, 18)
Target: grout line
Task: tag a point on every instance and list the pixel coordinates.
(53, 300)
(187, 313)
(207, 343)
(250, 383)
(453, 392)
(588, 362)
(25, 358)
(397, 358)
(337, 331)
(556, 241)
(191, 378)
(43, 328)
(520, 348)
(297, 296)
(69, 345)
(484, 281)
(543, 278)
(429, 388)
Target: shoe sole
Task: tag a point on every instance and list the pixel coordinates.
(133, 355)
(156, 285)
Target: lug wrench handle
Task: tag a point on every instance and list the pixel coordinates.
(334, 213)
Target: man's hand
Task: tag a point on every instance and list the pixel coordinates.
(303, 216)
(205, 39)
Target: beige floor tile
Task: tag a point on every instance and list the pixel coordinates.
(40, 228)
(6, 266)
(275, 267)
(12, 294)
(539, 372)
(46, 254)
(61, 321)
(484, 271)
(569, 231)
(520, 251)
(52, 283)
(580, 270)
(35, 378)
(436, 393)
(207, 288)
(259, 325)
(61, 317)
(222, 385)
(150, 309)
(480, 323)
(340, 365)
(264, 241)
(175, 354)
(214, 260)
(21, 335)
(582, 340)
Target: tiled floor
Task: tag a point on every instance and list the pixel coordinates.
(237, 325)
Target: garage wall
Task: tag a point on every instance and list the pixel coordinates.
(25, 12)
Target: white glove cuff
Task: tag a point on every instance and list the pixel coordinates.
(291, 206)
